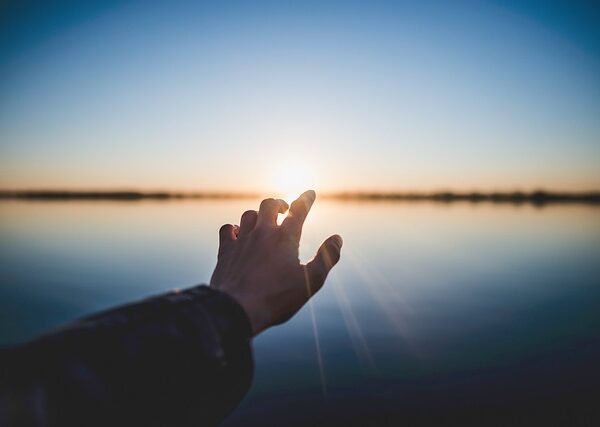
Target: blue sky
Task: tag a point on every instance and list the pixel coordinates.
(362, 95)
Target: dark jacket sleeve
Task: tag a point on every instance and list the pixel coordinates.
(183, 358)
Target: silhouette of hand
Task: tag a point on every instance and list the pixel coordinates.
(258, 262)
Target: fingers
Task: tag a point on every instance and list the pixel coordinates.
(247, 222)
(267, 213)
(227, 235)
(298, 212)
(327, 256)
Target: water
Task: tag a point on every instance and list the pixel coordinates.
(431, 305)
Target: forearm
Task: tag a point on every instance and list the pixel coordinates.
(180, 358)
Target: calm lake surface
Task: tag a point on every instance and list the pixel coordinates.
(431, 305)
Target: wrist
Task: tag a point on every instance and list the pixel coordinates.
(258, 318)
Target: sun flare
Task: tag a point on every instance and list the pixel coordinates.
(291, 179)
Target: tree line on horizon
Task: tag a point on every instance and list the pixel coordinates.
(536, 197)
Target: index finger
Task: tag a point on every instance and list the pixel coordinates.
(299, 209)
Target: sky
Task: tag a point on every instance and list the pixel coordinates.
(336, 95)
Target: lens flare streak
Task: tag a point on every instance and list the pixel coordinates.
(318, 349)
(375, 282)
(316, 335)
(359, 342)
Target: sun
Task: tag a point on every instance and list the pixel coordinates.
(292, 178)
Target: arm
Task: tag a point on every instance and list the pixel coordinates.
(178, 359)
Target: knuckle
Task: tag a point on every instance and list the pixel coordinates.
(248, 215)
(225, 228)
(267, 202)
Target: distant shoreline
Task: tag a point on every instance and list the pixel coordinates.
(535, 197)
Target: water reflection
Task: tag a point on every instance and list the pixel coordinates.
(428, 301)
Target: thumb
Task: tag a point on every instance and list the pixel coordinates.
(327, 256)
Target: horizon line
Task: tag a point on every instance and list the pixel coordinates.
(535, 197)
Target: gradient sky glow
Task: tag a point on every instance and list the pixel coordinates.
(369, 95)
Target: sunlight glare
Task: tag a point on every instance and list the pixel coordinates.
(291, 179)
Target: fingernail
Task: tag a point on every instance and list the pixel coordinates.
(338, 240)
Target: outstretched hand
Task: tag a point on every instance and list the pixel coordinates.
(258, 262)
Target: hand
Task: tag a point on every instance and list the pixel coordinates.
(258, 262)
